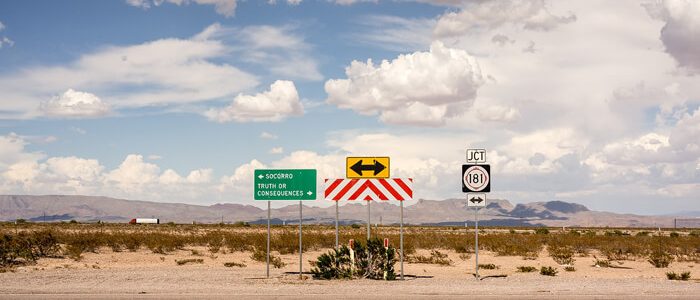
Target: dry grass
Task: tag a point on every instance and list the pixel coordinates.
(24, 243)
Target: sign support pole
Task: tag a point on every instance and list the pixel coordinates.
(336, 225)
(300, 220)
(401, 234)
(476, 240)
(369, 202)
(267, 273)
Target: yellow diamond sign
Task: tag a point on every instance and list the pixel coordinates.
(367, 167)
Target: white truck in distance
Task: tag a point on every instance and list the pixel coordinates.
(144, 221)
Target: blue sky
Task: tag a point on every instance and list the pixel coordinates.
(588, 102)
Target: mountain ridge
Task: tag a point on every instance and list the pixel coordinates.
(498, 212)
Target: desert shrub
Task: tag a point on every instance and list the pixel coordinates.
(488, 266)
(602, 263)
(674, 234)
(215, 241)
(261, 256)
(642, 233)
(541, 231)
(685, 276)
(373, 262)
(548, 271)
(234, 264)
(562, 255)
(526, 269)
(355, 226)
(241, 224)
(673, 276)
(335, 264)
(660, 259)
(435, 258)
(512, 245)
(44, 243)
(238, 242)
(465, 256)
(15, 249)
(570, 269)
(189, 260)
(694, 233)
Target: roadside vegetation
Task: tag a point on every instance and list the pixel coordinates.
(25, 243)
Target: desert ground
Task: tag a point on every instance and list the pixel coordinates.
(145, 274)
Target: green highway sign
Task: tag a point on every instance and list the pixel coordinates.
(291, 184)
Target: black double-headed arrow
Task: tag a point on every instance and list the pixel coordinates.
(476, 200)
(358, 167)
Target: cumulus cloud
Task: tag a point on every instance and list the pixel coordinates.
(280, 102)
(485, 15)
(160, 72)
(681, 31)
(226, 8)
(133, 172)
(75, 168)
(74, 104)
(268, 136)
(277, 150)
(422, 88)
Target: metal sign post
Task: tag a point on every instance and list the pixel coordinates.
(300, 261)
(476, 240)
(267, 273)
(284, 184)
(476, 201)
(476, 178)
(401, 242)
(369, 203)
(336, 225)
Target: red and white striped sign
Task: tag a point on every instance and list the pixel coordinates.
(369, 189)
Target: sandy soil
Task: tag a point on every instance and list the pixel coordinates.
(145, 274)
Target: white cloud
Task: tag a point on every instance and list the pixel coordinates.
(277, 150)
(681, 31)
(200, 176)
(6, 41)
(133, 172)
(486, 15)
(396, 33)
(161, 72)
(268, 136)
(280, 102)
(280, 50)
(74, 104)
(74, 168)
(169, 176)
(154, 157)
(422, 88)
(226, 8)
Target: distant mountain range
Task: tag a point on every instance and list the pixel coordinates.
(434, 212)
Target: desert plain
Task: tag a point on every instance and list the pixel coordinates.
(200, 271)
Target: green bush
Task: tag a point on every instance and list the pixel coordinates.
(660, 259)
(548, 271)
(541, 231)
(685, 276)
(189, 260)
(526, 269)
(436, 258)
(570, 269)
(234, 264)
(355, 226)
(373, 262)
(488, 266)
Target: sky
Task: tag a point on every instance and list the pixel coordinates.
(593, 102)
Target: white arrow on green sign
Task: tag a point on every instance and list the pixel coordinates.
(289, 184)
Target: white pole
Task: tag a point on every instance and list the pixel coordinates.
(267, 273)
(336, 225)
(401, 234)
(369, 202)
